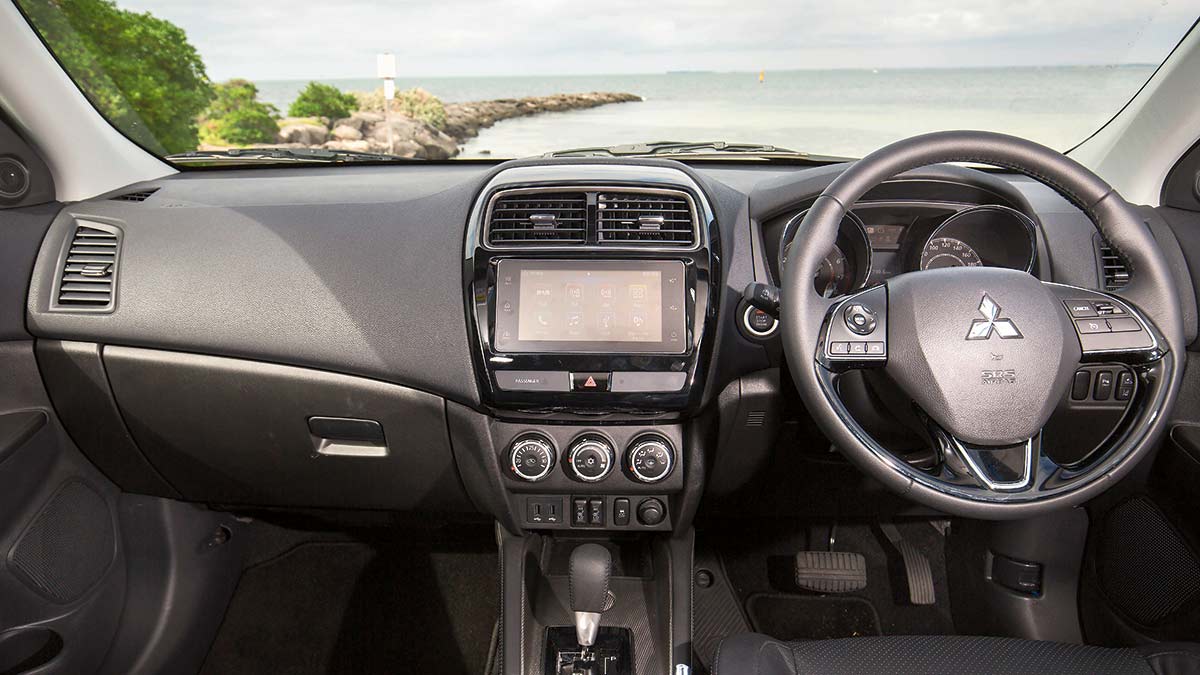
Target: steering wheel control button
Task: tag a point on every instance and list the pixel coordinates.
(1123, 324)
(531, 458)
(651, 512)
(860, 319)
(1091, 326)
(590, 459)
(589, 382)
(839, 348)
(1081, 385)
(1125, 386)
(650, 459)
(1081, 309)
(1104, 385)
(875, 348)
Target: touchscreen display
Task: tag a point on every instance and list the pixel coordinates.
(590, 306)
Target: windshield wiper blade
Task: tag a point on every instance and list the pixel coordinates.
(693, 148)
(282, 155)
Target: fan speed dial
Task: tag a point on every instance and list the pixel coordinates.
(532, 458)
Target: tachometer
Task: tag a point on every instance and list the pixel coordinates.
(948, 252)
(832, 278)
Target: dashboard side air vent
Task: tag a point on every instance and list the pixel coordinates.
(645, 218)
(135, 196)
(1112, 268)
(87, 281)
(538, 218)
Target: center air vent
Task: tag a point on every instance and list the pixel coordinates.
(89, 269)
(644, 218)
(553, 218)
(1113, 269)
(135, 196)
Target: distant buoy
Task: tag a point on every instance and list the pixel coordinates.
(762, 75)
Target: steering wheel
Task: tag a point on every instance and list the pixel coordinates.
(985, 354)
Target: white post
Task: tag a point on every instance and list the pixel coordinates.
(385, 65)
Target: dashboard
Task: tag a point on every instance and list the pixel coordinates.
(561, 344)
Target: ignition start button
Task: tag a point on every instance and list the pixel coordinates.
(860, 319)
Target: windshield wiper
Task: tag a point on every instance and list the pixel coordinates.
(281, 155)
(694, 149)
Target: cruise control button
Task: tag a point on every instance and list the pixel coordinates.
(1081, 309)
(1123, 324)
(589, 381)
(1088, 326)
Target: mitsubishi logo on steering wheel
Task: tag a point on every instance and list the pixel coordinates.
(981, 329)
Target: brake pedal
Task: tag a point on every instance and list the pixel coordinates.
(916, 567)
(831, 571)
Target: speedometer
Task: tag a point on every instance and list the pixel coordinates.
(948, 252)
(832, 278)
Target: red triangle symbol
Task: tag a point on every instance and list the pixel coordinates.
(591, 382)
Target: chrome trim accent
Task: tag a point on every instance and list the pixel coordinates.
(977, 471)
(568, 176)
(762, 334)
(579, 445)
(485, 240)
(653, 439)
(1030, 229)
(540, 441)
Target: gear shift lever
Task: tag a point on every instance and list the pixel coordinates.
(591, 565)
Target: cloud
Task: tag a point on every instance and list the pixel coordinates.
(269, 39)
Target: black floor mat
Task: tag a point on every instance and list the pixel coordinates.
(761, 559)
(349, 607)
(814, 617)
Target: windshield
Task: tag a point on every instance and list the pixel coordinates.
(206, 82)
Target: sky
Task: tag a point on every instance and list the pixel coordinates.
(324, 39)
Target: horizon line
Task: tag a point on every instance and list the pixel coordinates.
(709, 72)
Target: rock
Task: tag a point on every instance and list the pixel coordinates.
(345, 132)
(464, 120)
(361, 120)
(305, 134)
(434, 144)
(352, 145)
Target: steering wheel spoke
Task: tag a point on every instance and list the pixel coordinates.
(1109, 327)
(854, 334)
(1005, 470)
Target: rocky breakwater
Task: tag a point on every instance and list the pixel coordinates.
(367, 131)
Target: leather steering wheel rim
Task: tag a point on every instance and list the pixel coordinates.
(1151, 292)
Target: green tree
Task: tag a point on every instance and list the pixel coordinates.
(137, 69)
(237, 117)
(415, 103)
(323, 100)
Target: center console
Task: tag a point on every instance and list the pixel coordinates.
(590, 289)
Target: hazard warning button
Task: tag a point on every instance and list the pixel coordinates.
(589, 381)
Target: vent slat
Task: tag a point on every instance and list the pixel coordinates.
(87, 274)
(632, 218)
(1116, 274)
(547, 219)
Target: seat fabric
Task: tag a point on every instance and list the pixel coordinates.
(754, 654)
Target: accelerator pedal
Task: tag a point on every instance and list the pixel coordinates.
(916, 567)
(831, 571)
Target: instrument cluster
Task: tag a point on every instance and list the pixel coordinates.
(879, 240)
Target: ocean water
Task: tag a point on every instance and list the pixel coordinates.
(838, 112)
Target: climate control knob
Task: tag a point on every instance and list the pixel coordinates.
(590, 458)
(531, 457)
(650, 459)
